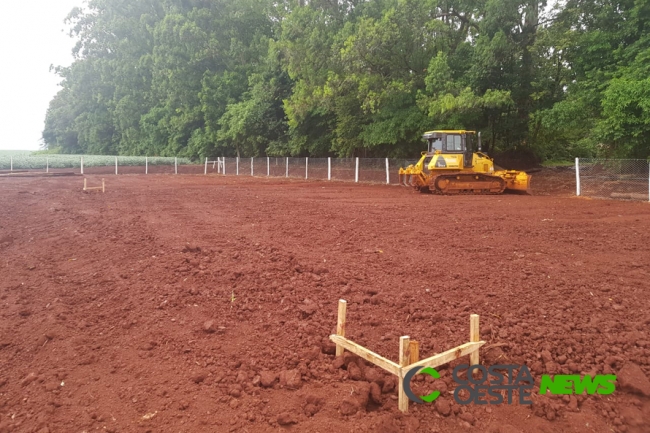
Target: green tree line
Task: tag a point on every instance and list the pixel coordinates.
(354, 77)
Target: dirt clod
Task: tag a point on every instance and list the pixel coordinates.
(268, 378)
(287, 418)
(375, 393)
(349, 406)
(31, 377)
(209, 326)
(468, 417)
(631, 378)
(634, 417)
(354, 371)
(290, 379)
(313, 404)
(442, 406)
(389, 385)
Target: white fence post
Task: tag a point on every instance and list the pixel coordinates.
(268, 166)
(116, 165)
(306, 167)
(356, 170)
(237, 167)
(82, 165)
(287, 168)
(146, 165)
(224, 165)
(175, 165)
(205, 171)
(387, 173)
(329, 168)
(47, 165)
(577, 177)
(252, 172)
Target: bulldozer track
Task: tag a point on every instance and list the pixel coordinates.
(468, 184)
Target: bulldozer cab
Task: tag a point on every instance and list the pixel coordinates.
(451, 142)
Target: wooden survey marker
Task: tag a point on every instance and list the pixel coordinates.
(409, 352)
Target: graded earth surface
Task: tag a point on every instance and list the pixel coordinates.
(204, 304)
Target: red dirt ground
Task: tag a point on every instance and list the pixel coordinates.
(203, 303)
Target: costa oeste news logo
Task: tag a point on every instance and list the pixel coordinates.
(499, 384)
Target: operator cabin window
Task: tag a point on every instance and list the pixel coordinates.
(436, 144)
(453, 143)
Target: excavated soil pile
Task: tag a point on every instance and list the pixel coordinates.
(203, 304)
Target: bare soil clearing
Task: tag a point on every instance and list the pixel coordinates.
(203, 303)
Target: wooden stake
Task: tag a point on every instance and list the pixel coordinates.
(414, 348)
(409, 353)
(474, 337)
(366, 354)
(449, 355)
(404, 361)
(88, 188)
(340, 325)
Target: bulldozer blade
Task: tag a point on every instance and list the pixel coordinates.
(520, 184)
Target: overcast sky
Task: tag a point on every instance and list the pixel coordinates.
(32, 37)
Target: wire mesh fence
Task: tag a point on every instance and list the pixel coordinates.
(343, 169)
(367, 170)
(627, 179)
(373, 170)
(318, 168)
(277, 167)
(297, 167)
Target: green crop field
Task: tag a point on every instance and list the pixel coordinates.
(27, 160)
(9, 153)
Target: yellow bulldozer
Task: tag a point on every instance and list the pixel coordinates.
(451, 166)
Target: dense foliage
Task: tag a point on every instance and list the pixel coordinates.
(354, 77)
